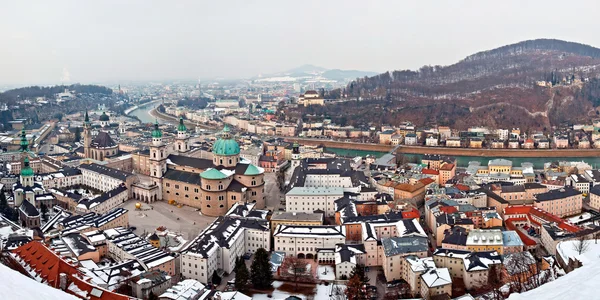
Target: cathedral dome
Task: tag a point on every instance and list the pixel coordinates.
(226, 145)
(104, 117)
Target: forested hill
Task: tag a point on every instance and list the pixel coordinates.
(539, 44)
(11, 96)
(534, 84)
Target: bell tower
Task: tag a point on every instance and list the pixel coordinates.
(182, 141)
(87, 136)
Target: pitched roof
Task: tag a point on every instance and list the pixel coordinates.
(103, 140)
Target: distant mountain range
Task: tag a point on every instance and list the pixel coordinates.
(311, 71)
(533, 84)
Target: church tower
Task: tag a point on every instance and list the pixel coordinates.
(87, 136)
(295, 156)
(158, 155)
(182, 140)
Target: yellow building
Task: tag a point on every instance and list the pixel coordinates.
(480, 240)
(296, 218)
(311, 98)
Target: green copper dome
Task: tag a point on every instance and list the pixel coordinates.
(181, 126)
(27, 170)
(253, 170)
(156, 132)
(226, 145)
(213, 174)
(104, 116)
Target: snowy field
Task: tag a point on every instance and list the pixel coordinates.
(326, 273)
(15, 285)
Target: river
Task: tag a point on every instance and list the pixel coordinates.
(143, 113)
(463, 161)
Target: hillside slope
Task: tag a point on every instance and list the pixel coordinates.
(498, 88)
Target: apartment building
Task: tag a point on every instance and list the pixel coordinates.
(561, 202)
(304, 241)
(311, 199)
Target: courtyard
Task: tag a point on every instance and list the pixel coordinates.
(185, 220)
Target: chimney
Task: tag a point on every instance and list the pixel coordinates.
(63, 281)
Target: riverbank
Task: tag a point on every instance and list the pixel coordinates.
(168, 118)
(526, 153)
(472, 152)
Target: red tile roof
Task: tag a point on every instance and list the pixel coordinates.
(430, 172)
(531, 212)
(462, 187)
(447, 167)
(426, 181)
(413, 214)
(448, 209)
(49, 265)
(524, 238)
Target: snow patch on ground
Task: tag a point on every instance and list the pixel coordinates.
(321, 292)
(15, 285)
(326, 273)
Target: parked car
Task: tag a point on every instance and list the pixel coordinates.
(247, 256)
(133, 228)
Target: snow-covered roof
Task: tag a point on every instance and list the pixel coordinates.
(436, 277)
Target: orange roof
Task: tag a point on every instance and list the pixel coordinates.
(409, 187)
(413, 214)
(430, 172)
(539, 213)
(426, 181)
(49, 265)
(462, 187)
(447, 167)
(517, 209)
(448, 209)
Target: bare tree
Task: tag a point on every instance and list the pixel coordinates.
(296, 270)
(581, 244)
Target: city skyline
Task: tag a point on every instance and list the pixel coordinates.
(67, 41)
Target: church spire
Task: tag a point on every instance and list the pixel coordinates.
(24, 143)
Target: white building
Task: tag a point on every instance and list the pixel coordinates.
(579, 182)
(61, 179)
(219, 245)
(102, 178)
(103, 203)
(304, 241)
(310, 199)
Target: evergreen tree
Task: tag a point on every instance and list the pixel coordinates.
(3, 203)
(359, 270)
(260, 271)
(77, 134)
(242, 276)
(44, 209)
(216, 280)
(152, 296)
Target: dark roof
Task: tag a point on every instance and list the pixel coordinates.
(104, 196)
(513, 188)
(456, 236)
(235, 186)
(595, 190)
(28, 209)
(183, 176)
(114, 173)
(103, 140)
(557, 194)
(393, 216)
(199, 163)
(476, 259)
(79, 243)
(534, 185)
(153, 237)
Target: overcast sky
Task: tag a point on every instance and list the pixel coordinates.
(112, 41)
